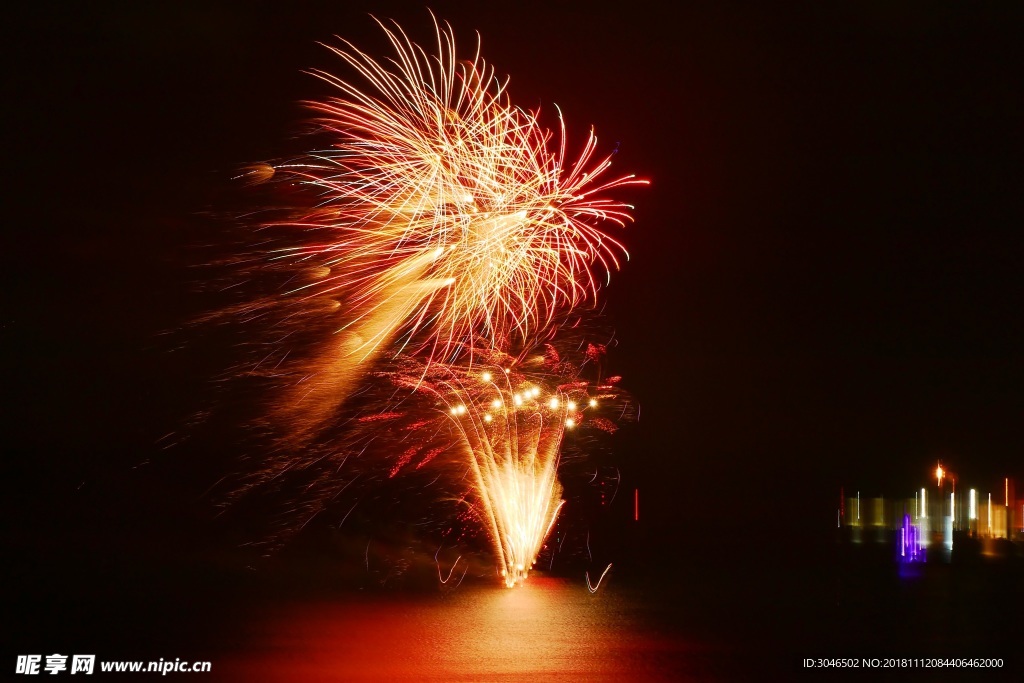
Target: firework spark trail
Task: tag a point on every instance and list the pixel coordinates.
(340, 368)
(512, 445)
(510, 429)
(430, 157)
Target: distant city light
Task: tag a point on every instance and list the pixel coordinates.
(934, 527)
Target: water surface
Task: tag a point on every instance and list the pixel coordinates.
(549, 629)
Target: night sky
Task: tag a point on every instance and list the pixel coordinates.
(824, 285)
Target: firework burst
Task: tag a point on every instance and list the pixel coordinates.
(510, 418)
(512, 440)
(488, 442)
(444, 212)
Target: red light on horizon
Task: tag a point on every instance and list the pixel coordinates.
(636, 505)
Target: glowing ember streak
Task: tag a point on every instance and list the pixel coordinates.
(593, 587)
(443, 211)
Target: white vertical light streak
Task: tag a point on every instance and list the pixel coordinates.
(990, 514)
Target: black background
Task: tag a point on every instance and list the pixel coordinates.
(824, 285)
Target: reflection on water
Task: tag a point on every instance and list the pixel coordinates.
(549, 629)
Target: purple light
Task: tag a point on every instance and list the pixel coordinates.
(910, 542)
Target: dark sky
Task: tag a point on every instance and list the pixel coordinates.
(824, 286)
